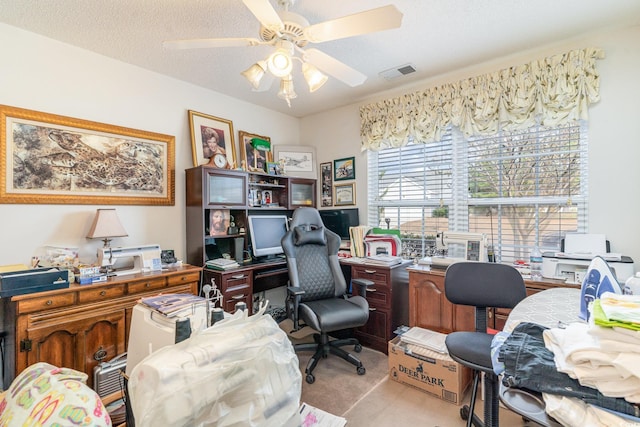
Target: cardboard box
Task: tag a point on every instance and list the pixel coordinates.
(436, 374)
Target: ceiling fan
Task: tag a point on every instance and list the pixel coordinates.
(289, 33)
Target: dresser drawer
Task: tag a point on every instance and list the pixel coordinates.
(146, 285)
(184, 278)
(45, 303)
(100, 294)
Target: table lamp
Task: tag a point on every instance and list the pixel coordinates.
(106, 226)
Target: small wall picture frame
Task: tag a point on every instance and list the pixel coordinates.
(344, 169)
(327, 184)
(345, 194)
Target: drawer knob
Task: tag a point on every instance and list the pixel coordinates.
(372, 309)
(103, 293)
(236, 297)
(100, 354)
(371, 290)
(183, 278)
(49, 302)
(147, 285)
(370, 271)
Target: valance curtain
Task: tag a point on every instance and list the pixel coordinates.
(549, 91)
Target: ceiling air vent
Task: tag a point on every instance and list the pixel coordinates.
(399, 71)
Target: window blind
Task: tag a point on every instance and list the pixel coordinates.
(520, 188)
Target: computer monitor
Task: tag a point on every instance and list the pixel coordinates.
(266, 232)
(339, 220)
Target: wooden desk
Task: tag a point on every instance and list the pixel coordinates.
(239, 284)
(83, 325)
(388, 301)
(430, 309)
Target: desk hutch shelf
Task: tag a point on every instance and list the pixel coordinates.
(242, 194)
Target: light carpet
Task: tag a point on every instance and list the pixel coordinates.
(337, 386)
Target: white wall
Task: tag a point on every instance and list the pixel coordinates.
(48, 76)
(45, 75)
(614, 133)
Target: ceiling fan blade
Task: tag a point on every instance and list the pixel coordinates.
(209, 43)
(369, 21)
(265, 13)
(334, 68)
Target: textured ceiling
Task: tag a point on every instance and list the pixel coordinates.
(436, 36)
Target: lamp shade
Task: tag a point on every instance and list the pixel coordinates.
(255, 73)
(280, 62)
(287, 91)
(314, 78)
(106, 224)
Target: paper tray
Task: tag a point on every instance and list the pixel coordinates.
(34, 280)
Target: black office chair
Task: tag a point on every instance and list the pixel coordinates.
(481, 285)
(317, 292)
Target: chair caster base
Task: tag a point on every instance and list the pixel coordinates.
(361, 370)
(310, 379)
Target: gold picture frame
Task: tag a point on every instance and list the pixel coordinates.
(250, 157)
(203, 128)
(52, 159)
(345, 194)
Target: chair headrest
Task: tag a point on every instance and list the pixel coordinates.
(306, 216)
(304, 235)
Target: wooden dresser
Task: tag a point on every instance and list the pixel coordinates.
(430, 309)
(83, 325)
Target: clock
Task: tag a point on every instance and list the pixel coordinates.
(220, 160)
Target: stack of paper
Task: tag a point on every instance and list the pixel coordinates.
(386, 260)
(172, 304)
(425, 338)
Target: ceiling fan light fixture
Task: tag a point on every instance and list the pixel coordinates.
(287, 91)
(255, 73)
(314, 77)
(280, 62)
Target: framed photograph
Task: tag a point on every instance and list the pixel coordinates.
(327, 184)
(345, 194)
(219, 220)
(51, 159)
(252, 159)
(296, 160)
(344, 169)
(273, 168)
(212, 140)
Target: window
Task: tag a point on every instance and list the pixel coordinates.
(519, 188)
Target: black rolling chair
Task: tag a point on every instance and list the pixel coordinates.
(481, 285)
(317, 293)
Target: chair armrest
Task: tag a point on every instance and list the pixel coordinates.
(294, 293)
(363, 284)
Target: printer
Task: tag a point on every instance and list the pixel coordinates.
(576, 252)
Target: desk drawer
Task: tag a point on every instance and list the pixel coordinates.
(379, 277)
(184, 278)
(146, 285)
(102, 293)
(380, 297)
(236, 282)
(45, 303)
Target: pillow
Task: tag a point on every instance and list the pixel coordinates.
(309, 237)
(46, 395)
